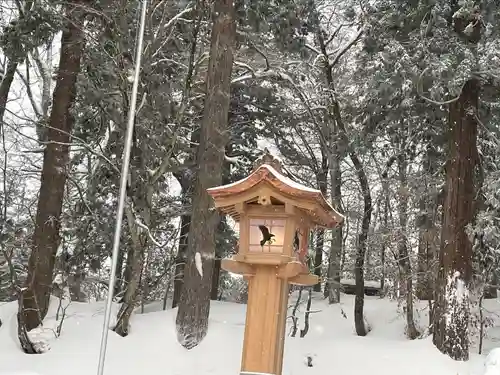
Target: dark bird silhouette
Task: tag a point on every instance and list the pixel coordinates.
(296, 242)
(266, 236)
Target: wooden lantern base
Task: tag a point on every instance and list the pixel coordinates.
(263, 344)
(268, 288)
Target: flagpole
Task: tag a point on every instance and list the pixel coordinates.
(123, 189)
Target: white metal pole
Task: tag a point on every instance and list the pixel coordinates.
(123, 189)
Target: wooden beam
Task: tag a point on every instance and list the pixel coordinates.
(304, 280)
(289, 270)
(267, 259)
(239, 268)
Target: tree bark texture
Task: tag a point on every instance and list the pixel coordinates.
(135, 263)
(14, 59)
(5, 84)
(46, 240)
(359, 301)
(452, 311)
(194, 305)
(427, 237)
(452, 304)
(332, 290)
(180, 260)
(186, 181)
(318, 257)
(219, 254)
(320, 233)
(385, 234)
(214, 293)
(138, 209)
(13, 62)
(131, 292)
(406, 277)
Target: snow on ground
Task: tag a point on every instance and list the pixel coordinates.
(151, 348)
(492, 362)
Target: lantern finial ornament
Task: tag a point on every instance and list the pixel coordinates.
(269, 159)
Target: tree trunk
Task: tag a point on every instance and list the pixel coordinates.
(36, 295)
(185, 179)
(194, 305)
(219, 253)
(9, 73)
(318, 257)
(359, 301)
(127, 272)
(14, 59)
(214, 293)
(404, 256)
(427, 236)
(333, 289)
(132, 290)
(320, 233)
(490, 291)
(119, 284)
(5, 84)
(384, 239)
(452, 304)
(180, 260)
(452, 310)
(138, 209)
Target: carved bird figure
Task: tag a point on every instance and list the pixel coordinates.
(266, 236)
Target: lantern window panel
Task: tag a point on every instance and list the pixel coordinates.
(267, 235)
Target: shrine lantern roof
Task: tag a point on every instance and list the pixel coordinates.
(267, 176)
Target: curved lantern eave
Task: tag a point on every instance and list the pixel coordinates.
(311, 200)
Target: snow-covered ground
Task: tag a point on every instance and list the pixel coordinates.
(151, 348)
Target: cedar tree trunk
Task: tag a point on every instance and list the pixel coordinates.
(452, 311)
(452, 308)
(46, 240)
(194, 305)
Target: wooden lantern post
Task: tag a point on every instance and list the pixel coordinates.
(275, 216)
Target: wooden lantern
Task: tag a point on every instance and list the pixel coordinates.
(275, 215)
